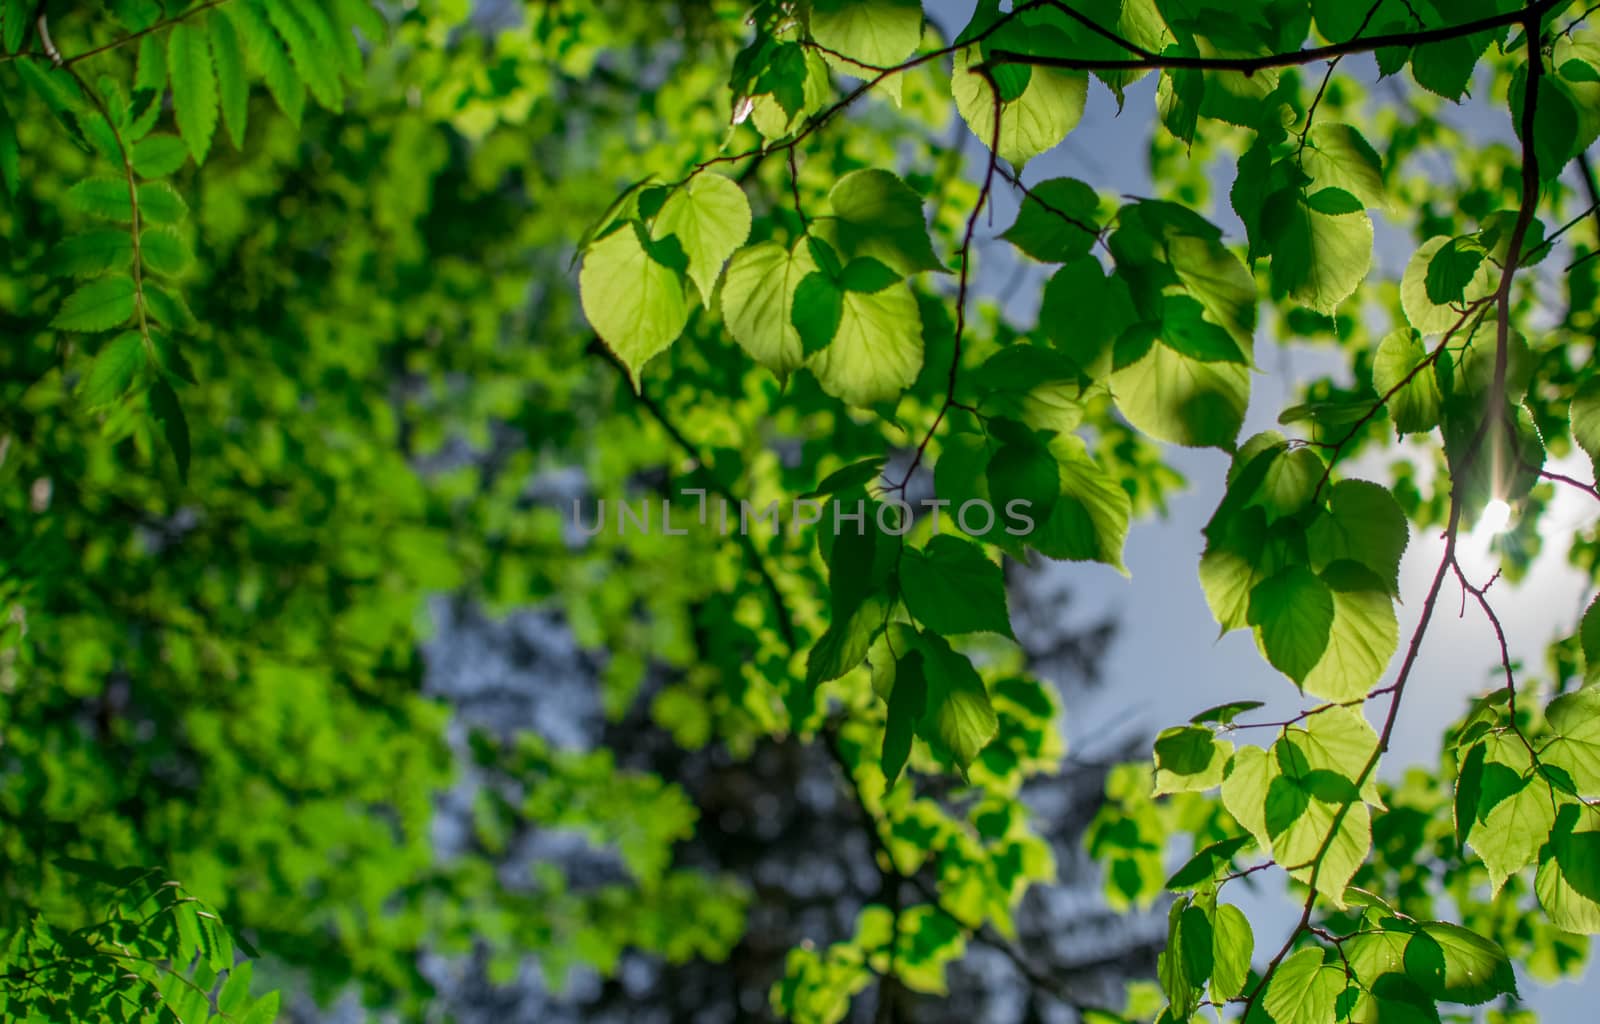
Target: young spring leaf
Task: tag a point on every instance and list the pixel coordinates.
(959, 717)
(168, 411)
(1035, 121)
(1456, 965)
(1568, 882)
(878, 215)
(1292, 611)
(1585, 417)
(817, 311)
(113, 370)
(1363, 524)
(1575, 719)
(951, 587)
(1175, 398)
(1057, 221)
(634, 302)
(158, 155)
(758, 302)
(1189, 759)
(877, 351)
(907, 702)
(710, 217)
(1322, 248)
(194, 87)
(97, 306)
(1413, 389)
(871, 34)
(233, 88)
(1303, 989)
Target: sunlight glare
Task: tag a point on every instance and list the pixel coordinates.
(1496, 517)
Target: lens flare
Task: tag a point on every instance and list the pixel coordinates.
(1496, 517)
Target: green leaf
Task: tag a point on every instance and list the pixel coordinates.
(636, 304)
(1089, 519)
(1233, 564)
(1589, 640)
(759, 304)
(266, 53)
(1175, 398)
(1036, 121)
(1189, 759)
(1232, 948)
(1450, 963)
(1224, 714)
(1057, 221)
(194, 87)
(907, 704)
(234, 995)
(167, 308)
(1292, 611)
(167, 410)
(1303, 989)
(1084, 311)
(1323, 246)
(959, 717)
(1469, 790)
(1362, 638)
(1245, 780)
(233, 88)
(1414, 398)
(1585, 417)
(1568, 883)
(710, 217)
(866, 275)
(1290, 481)
(877, 352)
(92, 253)
(1203, 868)
(163, 251)
(877, 215)
(10, 152)
(1364, 524)
(871, 33)
(15, 21)
(1186, 962)
(105, 198)
(1215, 277)
(848, 638)
(1337, 156)
(951, 587)
(1186, 331)
(1575, 719)
(158, 155)
(113, 370)
(316, 66)
(1510, 835)
(1452, 269)
(1023, 470)
(159, 203)
(1427, 316)
(97, 306)
(1340, 20)
(857, 474)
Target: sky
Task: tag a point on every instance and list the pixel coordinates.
(1167, 661)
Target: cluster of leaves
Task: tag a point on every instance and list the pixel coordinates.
(1160, 328)
(224, 673)
(156, 955)
(206, 56)
(219, 667)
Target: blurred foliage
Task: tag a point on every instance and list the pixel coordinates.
(295, 345)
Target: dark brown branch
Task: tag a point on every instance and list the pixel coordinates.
(1292, 58)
